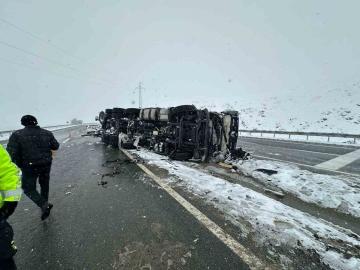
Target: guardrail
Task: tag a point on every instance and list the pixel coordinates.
(58, 126)
(55, 129)
(307, 134)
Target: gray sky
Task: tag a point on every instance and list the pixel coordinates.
(182, 51)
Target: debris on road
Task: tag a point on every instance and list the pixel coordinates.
(266, 171)
(102, 183)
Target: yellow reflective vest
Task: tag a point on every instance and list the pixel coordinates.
(10, 180)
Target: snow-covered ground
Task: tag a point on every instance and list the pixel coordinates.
(333, 110)
(273, 224)
(341, 193)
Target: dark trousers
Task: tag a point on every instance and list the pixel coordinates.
(29, 179)
(8, 264)
(7, 249)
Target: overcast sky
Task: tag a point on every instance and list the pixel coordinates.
(72, 58)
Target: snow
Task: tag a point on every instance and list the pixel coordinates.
(272, 222)
(341, 193)
(334, 110)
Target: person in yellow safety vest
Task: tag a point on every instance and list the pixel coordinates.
(10, 194)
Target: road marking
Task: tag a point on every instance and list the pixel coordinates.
(309, 166)
(292, 149)
(340, 162)
(66, 140)
(247, 256)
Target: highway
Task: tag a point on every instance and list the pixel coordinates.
(305, 154)
(110, 214)
(106, 217)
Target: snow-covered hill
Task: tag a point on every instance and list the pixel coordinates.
(336, 110)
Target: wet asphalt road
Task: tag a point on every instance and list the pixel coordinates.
(305, 153)
(125, 222)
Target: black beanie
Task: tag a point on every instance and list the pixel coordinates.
(28, 120)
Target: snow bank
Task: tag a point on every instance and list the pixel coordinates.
(272, 221)
(330, 191)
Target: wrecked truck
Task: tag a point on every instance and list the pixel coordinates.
(182, 133)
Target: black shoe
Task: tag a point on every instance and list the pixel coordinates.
(46, 211)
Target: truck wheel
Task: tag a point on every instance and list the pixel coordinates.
(183, 109)
(101, 117)
(132, 111)
(105, 139)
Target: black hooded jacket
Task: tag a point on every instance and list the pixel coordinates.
(31, 146)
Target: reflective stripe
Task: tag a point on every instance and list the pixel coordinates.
(12, 195)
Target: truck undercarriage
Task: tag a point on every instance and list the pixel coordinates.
(182, 132)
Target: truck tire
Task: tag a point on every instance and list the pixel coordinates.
(108, 111)
(118, 113)
(132, 112)
(183, 109)
(118, 110)
(101, 117)
(105, 139)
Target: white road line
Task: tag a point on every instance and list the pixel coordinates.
(291, 149)
(340, 162)
(245, 255)
(309, 166)
(66, 140)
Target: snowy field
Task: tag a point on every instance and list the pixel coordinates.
(274, 225)
(341, 193)
(333, 111)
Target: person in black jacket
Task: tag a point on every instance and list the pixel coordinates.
(31, 150)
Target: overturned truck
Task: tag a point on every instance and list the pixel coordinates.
(182, 132)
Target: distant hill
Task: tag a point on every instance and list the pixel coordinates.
(336, 110)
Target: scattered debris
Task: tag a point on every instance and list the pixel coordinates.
(102, 183)
(267, 171)
(276, 193)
